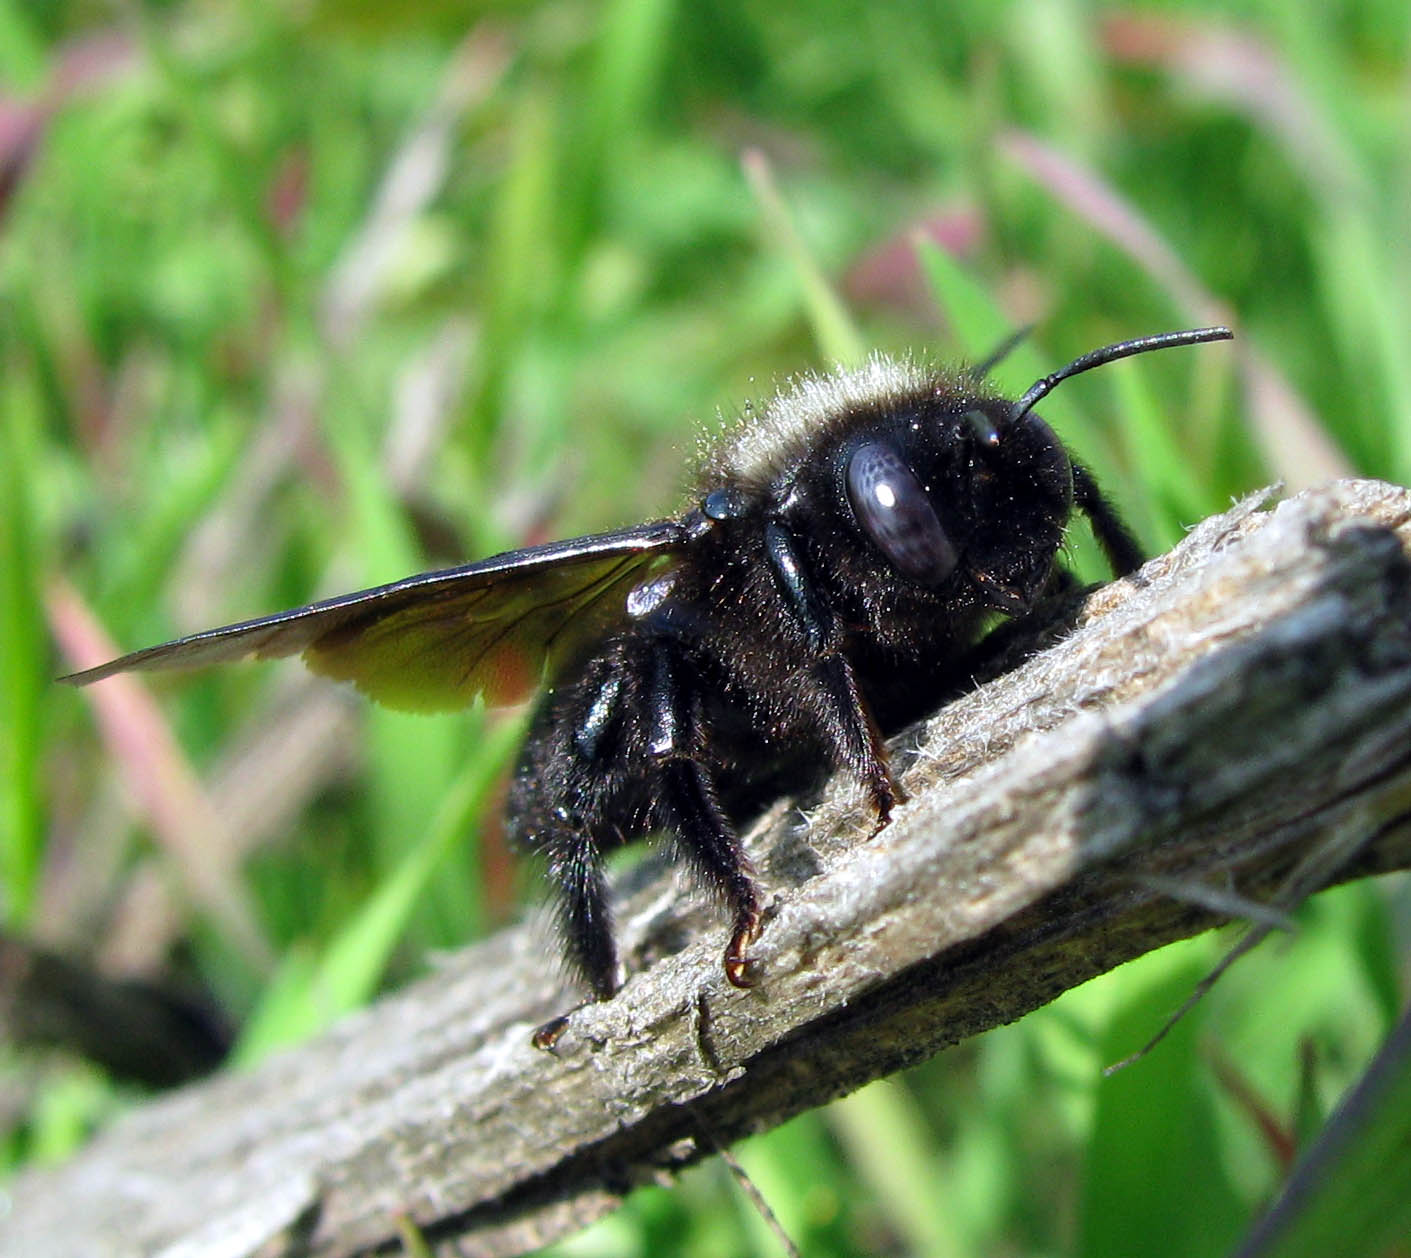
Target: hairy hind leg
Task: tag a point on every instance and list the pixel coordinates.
(584, 917)
(689, 808)
(584, 920)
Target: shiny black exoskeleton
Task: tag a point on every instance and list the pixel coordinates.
(842, 552)
(828, 561)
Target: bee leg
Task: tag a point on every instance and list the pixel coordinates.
(688, 806)
(1122, 549)
(585, 920)
(547, 1034)
(850, 730)
(843, 717)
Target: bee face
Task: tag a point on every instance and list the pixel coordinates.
(937, 498)
(1021, 496)
(843, 548)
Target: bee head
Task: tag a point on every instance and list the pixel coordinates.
(977, 490)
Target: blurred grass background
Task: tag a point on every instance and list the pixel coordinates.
(298, 297)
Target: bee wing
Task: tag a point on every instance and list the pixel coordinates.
(433, 642)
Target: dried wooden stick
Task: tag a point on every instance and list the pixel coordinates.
(1236, 714)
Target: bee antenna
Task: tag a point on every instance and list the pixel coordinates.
(1000, 352)
(1040, 389)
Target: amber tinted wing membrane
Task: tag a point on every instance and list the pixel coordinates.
(433, 642)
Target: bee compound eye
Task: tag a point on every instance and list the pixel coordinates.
(896, 514)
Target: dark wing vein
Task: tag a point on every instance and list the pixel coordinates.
(439, 639)
(569, 626)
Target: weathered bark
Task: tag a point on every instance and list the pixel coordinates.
(1238, 715)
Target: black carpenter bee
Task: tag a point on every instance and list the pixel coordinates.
(843, 547)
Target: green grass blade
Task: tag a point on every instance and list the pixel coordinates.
(309, 993)
(1351, 1193)
(24, 663)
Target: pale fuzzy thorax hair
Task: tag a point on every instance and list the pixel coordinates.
(759, 444)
